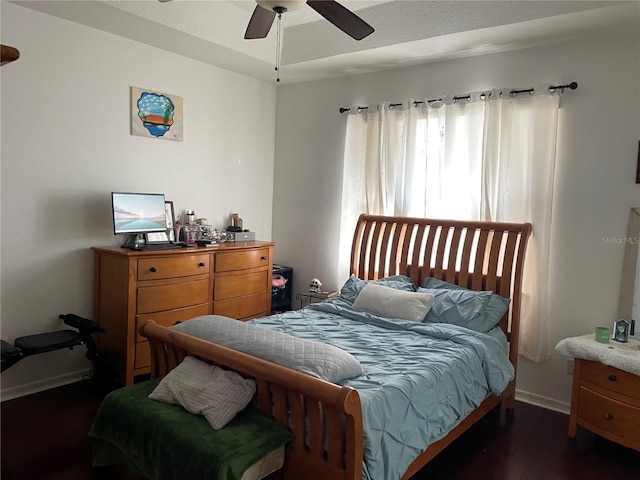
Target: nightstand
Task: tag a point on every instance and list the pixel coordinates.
(314, 297)
(606, 401)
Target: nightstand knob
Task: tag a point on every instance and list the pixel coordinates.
(612, 378)
(608, 416)
(201, 264)
(263, 258)
(153, 269)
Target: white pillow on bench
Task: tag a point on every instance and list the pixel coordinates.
(207, 390)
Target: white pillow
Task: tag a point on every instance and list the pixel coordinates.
(393, 303)
(207, 390)
(317, 359)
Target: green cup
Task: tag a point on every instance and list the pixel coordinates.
(603, 334)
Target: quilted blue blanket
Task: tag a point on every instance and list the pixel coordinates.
(420, 380)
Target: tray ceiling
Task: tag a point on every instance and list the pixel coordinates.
(406, 32)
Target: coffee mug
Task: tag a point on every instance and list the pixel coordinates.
(603, 334)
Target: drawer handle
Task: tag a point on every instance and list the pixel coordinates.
(153, 269)
(608, 416)
(612, 378)
(201, 264)
(263, 258)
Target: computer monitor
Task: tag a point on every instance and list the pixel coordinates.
(138, 213)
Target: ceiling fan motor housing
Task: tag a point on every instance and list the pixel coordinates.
(281, 6)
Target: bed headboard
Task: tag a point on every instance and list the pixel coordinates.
(475, 255)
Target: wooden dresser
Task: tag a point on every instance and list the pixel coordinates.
(167, 286)
(606, 401)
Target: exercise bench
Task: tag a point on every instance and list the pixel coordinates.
(48, 342)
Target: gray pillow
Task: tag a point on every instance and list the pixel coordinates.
(496, 308)
(317, 359)
(354, 285)
(465, 308)
(207, 390)
(393, 303)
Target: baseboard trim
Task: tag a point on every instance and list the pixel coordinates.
(49, 383)
(544, 402)
(42, 385)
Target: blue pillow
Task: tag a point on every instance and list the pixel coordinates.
(464, 308)
(354, 285)
(496, 307)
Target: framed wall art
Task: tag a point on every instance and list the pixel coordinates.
(156, 115)
(168, 210)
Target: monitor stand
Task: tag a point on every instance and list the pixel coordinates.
(133, 240)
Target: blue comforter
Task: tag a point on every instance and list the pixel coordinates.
(420, 379)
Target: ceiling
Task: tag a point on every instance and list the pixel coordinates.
(407, 32)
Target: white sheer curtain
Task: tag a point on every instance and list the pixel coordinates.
(487, 157)
(519, 163)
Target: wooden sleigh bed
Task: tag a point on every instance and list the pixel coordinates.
(325, 419)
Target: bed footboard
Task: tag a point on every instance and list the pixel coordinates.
(325, 419)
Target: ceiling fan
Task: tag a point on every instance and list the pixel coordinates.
(266, 10)
(343, 18)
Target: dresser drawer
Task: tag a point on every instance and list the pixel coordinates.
(608, 417)
(171, 267)
(245, 259)
(142, 357)
(170, 297)
(239, 285)
(249, 306)
(168, 319)
(611, 379)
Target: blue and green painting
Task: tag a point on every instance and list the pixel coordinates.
(156, 113)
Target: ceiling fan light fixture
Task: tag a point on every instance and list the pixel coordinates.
(282, 5)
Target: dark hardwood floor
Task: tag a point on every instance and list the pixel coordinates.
(44, 436)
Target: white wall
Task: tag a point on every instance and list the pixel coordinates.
(595, 175)
(66, 146)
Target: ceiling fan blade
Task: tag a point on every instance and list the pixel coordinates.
(341, 17)
(260, 23)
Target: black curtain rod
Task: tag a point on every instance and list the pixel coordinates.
(512, 93)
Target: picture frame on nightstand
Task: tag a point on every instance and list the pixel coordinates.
(621, 329)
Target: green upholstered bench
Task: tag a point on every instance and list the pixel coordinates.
(160, 441)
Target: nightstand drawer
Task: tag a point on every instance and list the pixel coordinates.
(611, 379)
(608, 417)
(172, 267)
